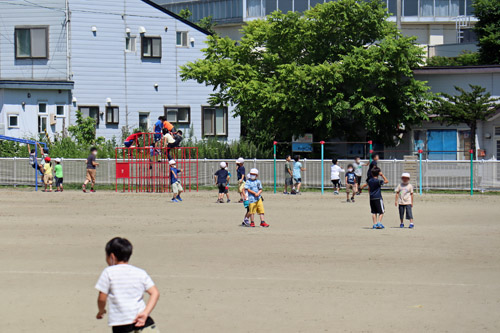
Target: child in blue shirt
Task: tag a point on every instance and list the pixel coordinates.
(240, 172)
(174, 181)
(350, 183)
(376, 201)
(254, 188)
(221, 178)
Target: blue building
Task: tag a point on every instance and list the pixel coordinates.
(115, 60)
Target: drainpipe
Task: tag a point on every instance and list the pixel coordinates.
(398, 14)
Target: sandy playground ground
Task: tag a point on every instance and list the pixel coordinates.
(318, 268)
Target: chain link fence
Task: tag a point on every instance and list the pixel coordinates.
(442, 175)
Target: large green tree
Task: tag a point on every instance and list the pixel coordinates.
(488, 30)
(338, 70)
(466, 107)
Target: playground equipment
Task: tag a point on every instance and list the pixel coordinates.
(145, 168)
(29, 142)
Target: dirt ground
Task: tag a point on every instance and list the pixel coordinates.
(318, 268)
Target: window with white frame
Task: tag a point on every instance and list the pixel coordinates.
(182, 38)
(31, 42)
(151, 47)
(42, 108)
(178, 115)
(144, 121)
(42, 124)
(60, 111)
(13, 120)
(214, 121)
(90, 111)
(112, 115)
(130, 42)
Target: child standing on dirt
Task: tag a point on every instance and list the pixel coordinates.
(47, 174)
(376, 201)
(58, 169)
(335, 171)
(404, 199)
(226, 192)
(240, 173)
(91, 170)
(125, 286)
(246, 204)
(350, 183)
(288, 174)
(221, 177)
(174, 181)
(254, 188)
(297, 174)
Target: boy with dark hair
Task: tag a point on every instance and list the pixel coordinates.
(297, 174)
(372, 165)
(358, 170)
(91, 170)
(58, 169)
(125, 286)
(240, 174)
(288, 174)
(131, 140)
(174, 181)
(350, 183)
(376, 201)
(335, 171)
(158, 128)
(221, 178)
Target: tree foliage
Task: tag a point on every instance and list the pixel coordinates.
(464, 59)
(84, 130)
(467, 107)
(488, 30)
(206, 23)
(339, 70)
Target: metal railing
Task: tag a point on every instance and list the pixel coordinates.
(443, 175)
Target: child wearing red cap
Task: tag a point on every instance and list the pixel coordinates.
(47, 174)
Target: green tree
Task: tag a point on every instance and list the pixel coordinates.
(84, 130)
(488, 30)
(339, 70)
(185, 13)
(468, 107)
(206, 23)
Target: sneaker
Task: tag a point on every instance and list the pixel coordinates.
(84, 189)
(375, 226)
(241, 201)
(179, 198)
(263, 224)
(348, 200)
(92, 190)
(175, 200)
(402, 225)
(286, 193)
(252, 224)
(380, 226)
(411, 226)
(245, 223)
(352, 199)
(228, 201)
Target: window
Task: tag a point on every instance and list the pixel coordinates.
(112, 114)
(214, 121)
(31, 43)
(90, 111)
(151, 47)
(130, 43)
(42, 124)
(498, 149)
(13, 121)
(144, 122)
(42, 108)
(60, 111)
(497, 131)
(182, 38)
(179, 115)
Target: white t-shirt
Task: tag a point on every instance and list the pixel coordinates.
(125, 286)
(335, 172)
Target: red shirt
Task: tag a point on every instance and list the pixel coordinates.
(133, 137)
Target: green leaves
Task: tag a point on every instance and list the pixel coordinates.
(339, 70)
(488, 30)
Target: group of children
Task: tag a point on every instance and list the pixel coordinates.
(47, 170)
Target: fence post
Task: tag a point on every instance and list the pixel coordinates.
(274, 146)
(322, 167)
(15, 170)
(36, 167)
(109, 171)
(471, 172)
(371, 149)
(420, 169)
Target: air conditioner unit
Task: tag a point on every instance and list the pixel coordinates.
(53, 119)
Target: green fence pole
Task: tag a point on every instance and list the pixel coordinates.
(322, 167)
(471, 172)
(274, 144)
(420, 169)
(371, 149)
(36, 166)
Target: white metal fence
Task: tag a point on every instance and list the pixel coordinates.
(453, 175)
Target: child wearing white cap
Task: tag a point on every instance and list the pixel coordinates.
(221, 177)
(174, 181)
(240, 172)
(404, 199)
(254, 188)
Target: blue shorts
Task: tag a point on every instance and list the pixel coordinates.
(298, 180)
(157, 137)
(128, 143)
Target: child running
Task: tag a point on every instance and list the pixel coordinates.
(350, 183)
(47, 174)
(404, 199)
(174, 181)
(240, 173)
(221, 178)
(124, 285)
(335, 171)
(254, 188)
(376, 201)
(58, 169)
(91, 170)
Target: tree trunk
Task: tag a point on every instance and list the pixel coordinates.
(473, 129)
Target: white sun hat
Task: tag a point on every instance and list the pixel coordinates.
(240, 160)
(223, 165)
(254, 172)
(405, 175)
(172, 162)
(58, 160)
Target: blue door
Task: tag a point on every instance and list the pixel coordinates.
(442, 144)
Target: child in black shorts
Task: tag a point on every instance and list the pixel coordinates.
(221, 178)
